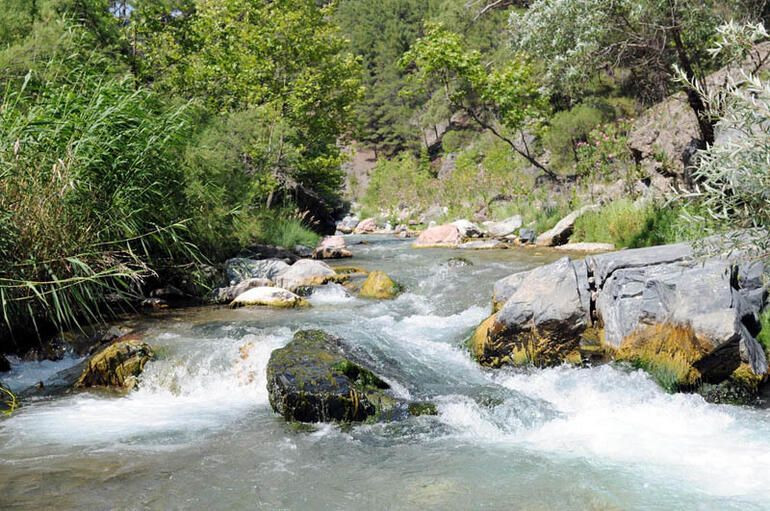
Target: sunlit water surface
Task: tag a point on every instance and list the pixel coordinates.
(200, 434)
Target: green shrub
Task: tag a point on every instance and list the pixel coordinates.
(629, 225)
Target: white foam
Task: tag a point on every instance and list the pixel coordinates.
(608, 416)
(198, 390)
(330, 294)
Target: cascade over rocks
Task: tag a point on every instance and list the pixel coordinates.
(313, 380)
(543, 313)
(116, 366)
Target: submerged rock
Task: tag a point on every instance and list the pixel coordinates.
(379, 285)
(239, 269)
(311, 380)
(5, 366)
(269, 297)
(332, 247)
(440, 236)
(116, 366)
(560, 233)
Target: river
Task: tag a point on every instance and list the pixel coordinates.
(200, 434)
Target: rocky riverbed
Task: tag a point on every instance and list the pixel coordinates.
(199, 429)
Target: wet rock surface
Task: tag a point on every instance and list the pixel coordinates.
(312, 380)
(116, 366)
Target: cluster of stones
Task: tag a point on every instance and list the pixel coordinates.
(690, 318)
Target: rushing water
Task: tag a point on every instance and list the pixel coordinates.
(200, 434)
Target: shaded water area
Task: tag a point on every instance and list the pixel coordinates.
(200, 434)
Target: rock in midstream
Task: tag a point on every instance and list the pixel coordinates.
(543, 313)
(313, 380)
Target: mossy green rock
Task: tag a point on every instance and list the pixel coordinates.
(116, 366)
(311, 380)
(378, 285)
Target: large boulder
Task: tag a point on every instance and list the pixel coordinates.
(541, 322)
(506, 227)
(685, 318)
(239, 269)
(312, 380)
(117, 365)
(268, 297)
(560, 233)
(705, 296)
(227, 294)
(367, 226)
(306, 273)
(440, 236)
(468, 229)
(332, 247)
(378, 285)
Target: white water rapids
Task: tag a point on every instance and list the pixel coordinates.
(199, 433)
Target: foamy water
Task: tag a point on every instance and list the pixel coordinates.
(201, 434)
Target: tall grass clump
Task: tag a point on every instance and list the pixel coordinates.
(91, 194)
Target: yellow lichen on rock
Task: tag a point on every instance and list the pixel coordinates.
(666, 351)
(480, 337)
(378, 285)
(118, 365)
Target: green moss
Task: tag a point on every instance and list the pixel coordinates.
(422, 408)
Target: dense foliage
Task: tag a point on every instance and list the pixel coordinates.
(137, 136)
